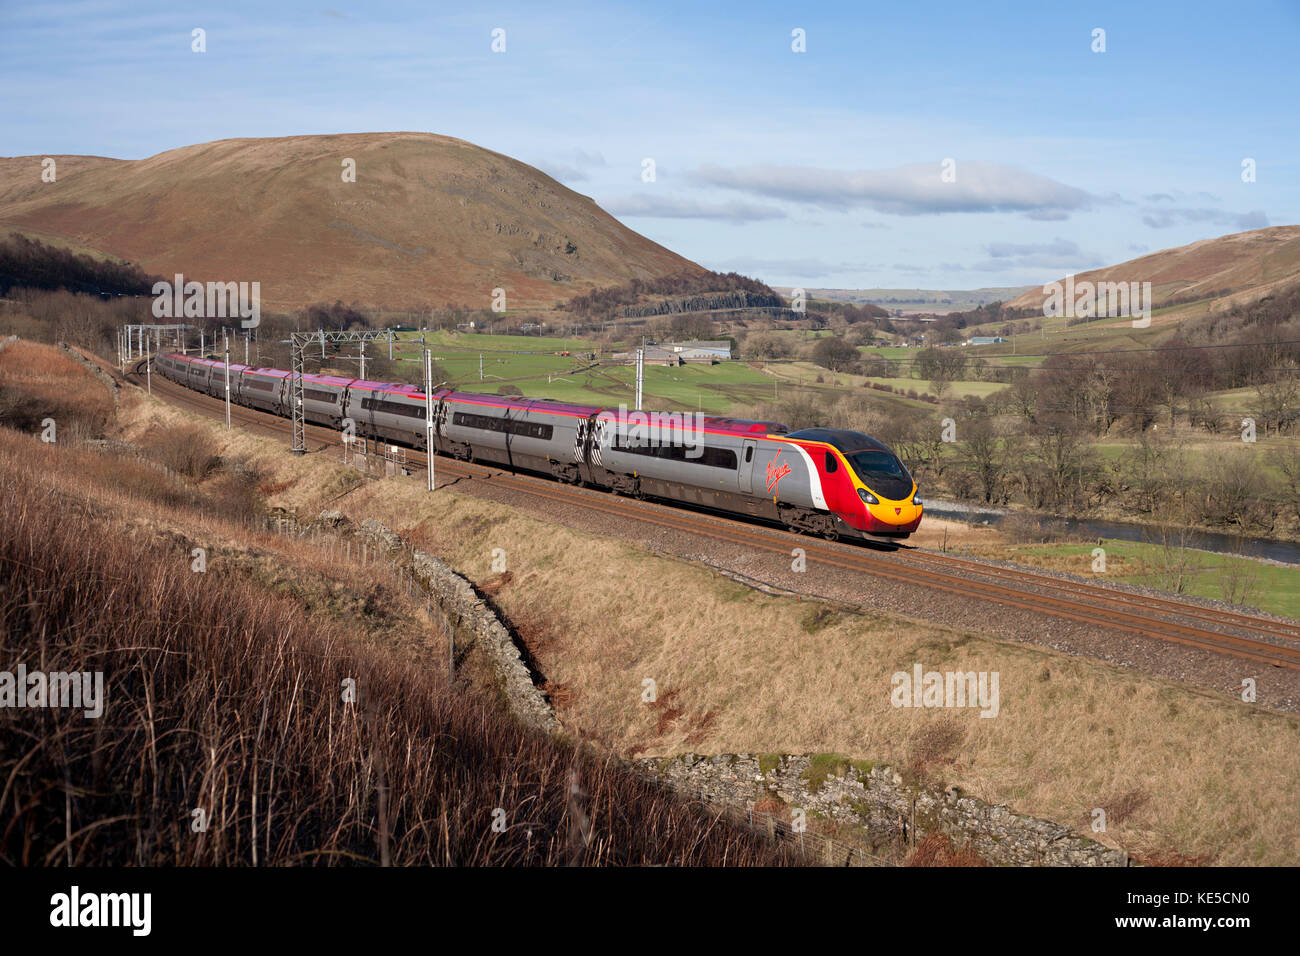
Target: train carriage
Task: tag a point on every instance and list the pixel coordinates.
(197, 374)
(264, 388)
(517, 433)
(322, 399)
(389, 410)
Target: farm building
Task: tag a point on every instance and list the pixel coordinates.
(654, 355)
(704, 351)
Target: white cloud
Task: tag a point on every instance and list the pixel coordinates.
(657, 207)
(1059, 254)
(1163, 217)
(802, 269)
(906, 190)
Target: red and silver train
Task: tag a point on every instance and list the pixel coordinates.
(831, 482)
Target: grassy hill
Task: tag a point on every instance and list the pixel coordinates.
(430, 220)
(1231, 269)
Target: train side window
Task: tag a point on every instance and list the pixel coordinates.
(831, 464)
(749, 454)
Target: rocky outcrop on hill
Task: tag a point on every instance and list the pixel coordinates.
(707, 303)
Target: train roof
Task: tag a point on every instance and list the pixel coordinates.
(336, 380)
(841, 438)
(404, 388)
(522, 404)
(743, 426)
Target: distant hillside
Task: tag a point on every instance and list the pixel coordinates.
(1236, 269)
(33, 264)
(912, 300)
(688, 292)
(430, 220)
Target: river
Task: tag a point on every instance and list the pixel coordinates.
(1286, 552)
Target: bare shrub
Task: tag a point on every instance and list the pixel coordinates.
(186, 449)
(935, 745)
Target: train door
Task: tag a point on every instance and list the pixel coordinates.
(747, 467)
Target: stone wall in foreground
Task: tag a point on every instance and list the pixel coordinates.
(877, 800)
(473, 619)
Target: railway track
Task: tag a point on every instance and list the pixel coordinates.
(1240, 635)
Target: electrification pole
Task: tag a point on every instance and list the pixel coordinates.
(148, 374)
(480, 366)
(363, 359)
(640, 375)
(227, 383)
(428, 415)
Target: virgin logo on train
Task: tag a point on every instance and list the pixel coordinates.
(775, 474)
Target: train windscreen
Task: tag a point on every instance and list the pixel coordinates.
(882, 472)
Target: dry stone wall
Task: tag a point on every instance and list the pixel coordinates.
(109, 382)
(472, 618)
(876, 799)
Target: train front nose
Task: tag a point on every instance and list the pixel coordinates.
(886, 515)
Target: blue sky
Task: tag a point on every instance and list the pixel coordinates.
(821, 168)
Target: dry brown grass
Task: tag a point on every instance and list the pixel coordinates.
(936, 849)
(224, 695)
(187, 449)
(1219, 774)
(38, 382)
(934, 749)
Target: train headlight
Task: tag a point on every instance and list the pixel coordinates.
(916, 500)
(868, 497)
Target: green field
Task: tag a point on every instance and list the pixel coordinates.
(474, 342)
(955, 389)
(532, 365)
(888, 351)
